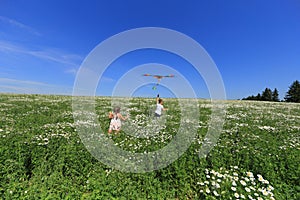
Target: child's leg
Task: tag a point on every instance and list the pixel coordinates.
(118, 128)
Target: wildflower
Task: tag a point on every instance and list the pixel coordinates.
(264, 192)
(207, 176)
(233, 183)
(266, 182)
(247, 189)
(207, 190)
(216, 193)
(259, 198)
(243, 182)
(233, 188)
(242, 196)
(200, 183)
(107, 172)
(270, 188)
(260, 178)
(252, 188)
(236, 195)
(219, 175)
(250, 174)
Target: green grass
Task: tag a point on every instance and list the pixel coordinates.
(42, 156)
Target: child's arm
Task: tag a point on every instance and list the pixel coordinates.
(123, 118)
(164, 109)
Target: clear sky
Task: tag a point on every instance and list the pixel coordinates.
(255, 44)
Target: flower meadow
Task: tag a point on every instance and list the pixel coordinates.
(42, 156)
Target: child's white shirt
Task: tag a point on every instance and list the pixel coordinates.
(159, 108)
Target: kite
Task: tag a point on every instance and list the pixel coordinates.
(158, 77)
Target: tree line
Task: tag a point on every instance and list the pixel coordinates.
(292, 95)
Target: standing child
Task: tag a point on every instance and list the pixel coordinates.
(115, 122)
(159, 106)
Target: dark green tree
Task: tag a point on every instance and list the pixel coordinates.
(252, 97)
(258, 97)
(267, 95)
(293, 94)
(275, 95)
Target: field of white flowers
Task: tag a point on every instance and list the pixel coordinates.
(42, 156)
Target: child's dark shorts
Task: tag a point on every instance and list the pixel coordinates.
(156, 115)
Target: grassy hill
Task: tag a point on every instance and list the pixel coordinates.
(43, 156)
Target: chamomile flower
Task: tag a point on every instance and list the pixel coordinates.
(216, 193)
(250, 174)
(260, 178)
(247, 189)
(233, 183)
(236, 195)
(265, 192)
(207, 190)
(243, 182)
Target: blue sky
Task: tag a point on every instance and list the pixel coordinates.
(255, 44)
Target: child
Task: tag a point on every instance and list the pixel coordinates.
(159, 106)
(115, 122)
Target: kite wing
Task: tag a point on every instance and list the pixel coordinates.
(158, 77)
(170, 76)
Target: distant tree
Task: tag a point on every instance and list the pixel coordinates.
(248, 98)
(252, 97)
(267, 95)
(293, 94)
(258, 97)
(275, 95)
